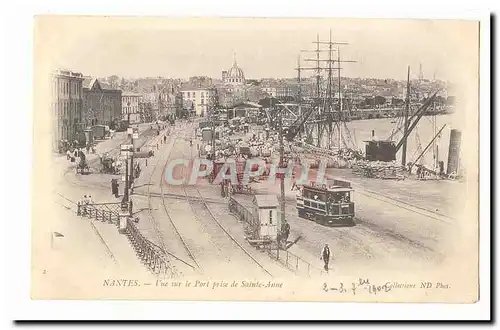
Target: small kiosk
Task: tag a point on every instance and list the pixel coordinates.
(265, 209)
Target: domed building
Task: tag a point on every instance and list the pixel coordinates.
(233, 76)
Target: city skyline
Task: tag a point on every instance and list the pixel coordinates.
(264, 48)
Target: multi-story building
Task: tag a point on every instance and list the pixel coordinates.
(130, 107)
(67, 96)
(196, 99)
(102, 103)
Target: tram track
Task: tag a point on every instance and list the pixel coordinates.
(166, 212)
(156, 228)
(200, 200)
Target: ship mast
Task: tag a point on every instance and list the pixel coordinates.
(407, 109)
(340, 100)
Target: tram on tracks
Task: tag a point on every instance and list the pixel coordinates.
(328, 204)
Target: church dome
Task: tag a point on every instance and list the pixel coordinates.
(235, 72)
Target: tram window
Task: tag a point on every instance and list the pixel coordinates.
(306, 203)
(315, 205)
(321, 206)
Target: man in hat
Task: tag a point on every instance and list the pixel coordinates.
(325, 256)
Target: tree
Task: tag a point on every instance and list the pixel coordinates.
(113, 80)
(397, 102)
(379, 100)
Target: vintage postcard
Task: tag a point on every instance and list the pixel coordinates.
(256, 159)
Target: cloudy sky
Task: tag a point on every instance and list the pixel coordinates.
(133, 47)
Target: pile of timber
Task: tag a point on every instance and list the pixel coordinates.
(379, 170)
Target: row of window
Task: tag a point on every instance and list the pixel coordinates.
(188, 94)
(314, 205)
(63, 109)
(131, 99)
(66, 87)
(234, 80)
(130, 110)
(311, 194)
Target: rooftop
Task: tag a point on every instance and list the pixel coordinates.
(263, 201)
(67, 73)
(88, 82)
(191, 87)
(130, 94)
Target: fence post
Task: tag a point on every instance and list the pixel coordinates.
(297, 264)
(287, 258)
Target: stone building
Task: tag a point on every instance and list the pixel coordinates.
(195, 99)
(102, 103)
(67, 99)
(130, 107)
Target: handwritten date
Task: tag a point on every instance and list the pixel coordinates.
(362, 285)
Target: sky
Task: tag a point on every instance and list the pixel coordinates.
(180, 48)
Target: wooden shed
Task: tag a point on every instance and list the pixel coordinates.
(265, 208)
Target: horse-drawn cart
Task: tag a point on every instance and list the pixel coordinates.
(82, 167)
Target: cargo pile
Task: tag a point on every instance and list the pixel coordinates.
(379, 170)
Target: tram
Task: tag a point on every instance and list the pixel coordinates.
(327, 204)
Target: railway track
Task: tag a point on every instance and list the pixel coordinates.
(156, 228)
(170, 220)
(200, 200)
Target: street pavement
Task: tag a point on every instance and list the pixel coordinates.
(386, 235)
(89, 246)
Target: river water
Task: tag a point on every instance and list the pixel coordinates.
(361, 130)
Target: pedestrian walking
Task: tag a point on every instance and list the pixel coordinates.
(165, 139)
(325, 256)
(84, 204)
(68, 155)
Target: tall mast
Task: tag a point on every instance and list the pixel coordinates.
(299, 87)
(317, 67)
(330, 98)
(340, 100)
(407, 109)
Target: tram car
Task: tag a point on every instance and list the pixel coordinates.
(328, 204)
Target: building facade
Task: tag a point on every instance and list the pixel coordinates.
(67, 101)
(102, 103)
(196, 99)
(234, 76)
(130, 107)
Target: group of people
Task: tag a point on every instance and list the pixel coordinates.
(79, 152)
(73, 155)
(83, 204)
